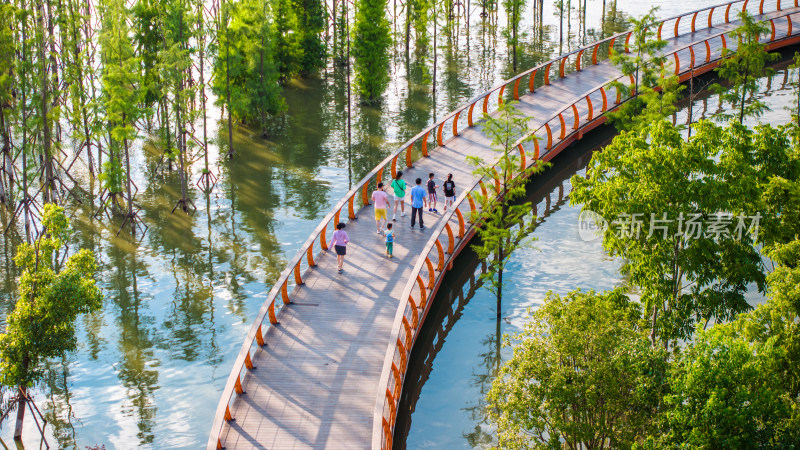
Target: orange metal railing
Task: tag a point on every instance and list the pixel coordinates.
(417, 295)
(279, 295)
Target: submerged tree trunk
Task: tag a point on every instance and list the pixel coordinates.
(21, 404)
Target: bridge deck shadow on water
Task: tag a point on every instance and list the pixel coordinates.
(324, 362)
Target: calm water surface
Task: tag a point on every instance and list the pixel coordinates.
(152, 363)
(453, 364)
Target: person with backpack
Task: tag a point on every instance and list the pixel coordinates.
(389, 234)
(399, 190)
(449, 191)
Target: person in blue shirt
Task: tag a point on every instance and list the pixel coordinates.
(417, 194)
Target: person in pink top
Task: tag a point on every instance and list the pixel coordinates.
(381, 201)
(339, 242)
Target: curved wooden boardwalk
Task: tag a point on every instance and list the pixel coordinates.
(323, 364)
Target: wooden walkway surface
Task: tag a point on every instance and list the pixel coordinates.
(315, 382)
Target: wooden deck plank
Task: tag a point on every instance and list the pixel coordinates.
(316, 380)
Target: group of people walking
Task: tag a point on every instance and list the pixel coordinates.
(421, 198)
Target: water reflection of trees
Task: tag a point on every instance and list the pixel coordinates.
(302, 149)
(57, 405)
(137, 369)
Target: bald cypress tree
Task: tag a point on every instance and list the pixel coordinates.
(121, 97)
(371, 41)
(311, 21)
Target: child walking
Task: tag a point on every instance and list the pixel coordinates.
(389, 239)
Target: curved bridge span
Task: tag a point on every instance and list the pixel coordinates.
(324, 361)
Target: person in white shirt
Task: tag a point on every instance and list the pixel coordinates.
(381, 200)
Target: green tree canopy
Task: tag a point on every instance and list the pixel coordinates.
(583, 375)
(245, 54)
(655, 88)
(738, 384)
(50, 296)
(371, 41)
(742, 68)
(503, 228)
(678, 218)
(312, 21)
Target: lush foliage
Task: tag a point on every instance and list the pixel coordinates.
(503, 228)
(287, 52)
(371, 40)
(121, 89)
(658, 193)
(50, 295)
(245, 65)
(656, 85)
(582, 376)
(742, 68)
(738, 384)
(312, 24)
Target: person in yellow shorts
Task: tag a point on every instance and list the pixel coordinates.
(381, 200)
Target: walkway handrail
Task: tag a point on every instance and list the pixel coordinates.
(304, 259)
(410, 313)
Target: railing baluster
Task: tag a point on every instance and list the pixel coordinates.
(440, 262)
(469, 115)
(272, 319)
(285, 292)
(577, 119)
(450, 239)
(298, 281)
(589, 116)
(549, 137)
(430, 272)
(605, 99)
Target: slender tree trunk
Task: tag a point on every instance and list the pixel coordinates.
(81, 88)
(7, 169)
(349, 112)
(435, 53)
(561, 26)
(128, 178)
(335, 26)
(24, 84)
(203, 82)
(741, 103)
(408, 25)
(46, 132)
(22, 392)
(514, 7)
(228, 85)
